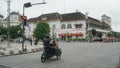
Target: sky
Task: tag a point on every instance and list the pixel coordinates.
(95, 8)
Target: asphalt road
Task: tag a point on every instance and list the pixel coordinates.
(74, 55)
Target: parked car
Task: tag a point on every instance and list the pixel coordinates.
(98, 40)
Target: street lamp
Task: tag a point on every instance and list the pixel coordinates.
(87, 24)
(27, 5)
(53, 33)
(8, 21)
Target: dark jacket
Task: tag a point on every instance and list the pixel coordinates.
(46, 42)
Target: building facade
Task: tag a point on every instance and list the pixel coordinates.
(1, 19)
(72, 25)
(15, 19)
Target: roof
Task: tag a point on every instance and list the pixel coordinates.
(35, 19)
(67, 17)
(106, 25)
(1, 16)
(72, 16)
(14, 13)
(50, 16)
(97, 22)
(94, 21)
(106, 16)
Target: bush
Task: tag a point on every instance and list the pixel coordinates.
(20, 51)
(2, 52)
(78, 39)
(11, 52)
(33, 50)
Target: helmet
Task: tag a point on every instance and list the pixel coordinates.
(47, 35)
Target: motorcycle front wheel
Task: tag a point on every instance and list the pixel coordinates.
(43, 58)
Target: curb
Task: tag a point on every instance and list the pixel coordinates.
(20, 53)
(4, 52)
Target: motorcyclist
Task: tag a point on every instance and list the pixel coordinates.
(46, 43)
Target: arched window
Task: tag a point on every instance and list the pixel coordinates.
(69, 26)
(63, 26)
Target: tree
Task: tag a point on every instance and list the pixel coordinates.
(99, 34)
(15, 31)
(114, 34)
(93, 32)
(40, 31)
(3, 31)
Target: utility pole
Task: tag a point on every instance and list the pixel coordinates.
(8, 22)
(27, 5)
(87, 25)
(52, 33)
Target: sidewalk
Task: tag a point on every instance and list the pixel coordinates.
(16, 48)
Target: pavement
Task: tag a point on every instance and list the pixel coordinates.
(74, 55)
(16, 48)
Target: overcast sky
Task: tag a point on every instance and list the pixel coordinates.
(96, 8)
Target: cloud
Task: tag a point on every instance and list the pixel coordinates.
(96, 8)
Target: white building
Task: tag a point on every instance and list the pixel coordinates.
(15, 19)
(72, 25)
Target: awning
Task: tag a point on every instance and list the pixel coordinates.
(72, 34)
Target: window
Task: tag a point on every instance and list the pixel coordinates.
(78, 25)
(15, 18)
(44, 18)
(53, 26)
(69, 26)
(63, 26)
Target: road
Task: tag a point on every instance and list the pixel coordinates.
(75, 55)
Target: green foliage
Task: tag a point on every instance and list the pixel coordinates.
(3, 31)
(99, 34)
(15, 31)
(41, 30)
(96, 34)
(114, 34)
(93, 32)
(78, 39)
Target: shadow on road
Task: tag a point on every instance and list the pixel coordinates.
(2, 66)
(53, 59)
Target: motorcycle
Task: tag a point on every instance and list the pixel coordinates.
(47, 54)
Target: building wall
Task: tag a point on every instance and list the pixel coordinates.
(54, 27)
(74, 29)
(1, 21)
(56, 24)
(15, 20)
(32, 26)
(100, 29)
(58, 30)
(106, 19)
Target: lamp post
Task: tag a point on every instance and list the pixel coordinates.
(27, 5)
(8, 22)
(53, 32)
(87, 25)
